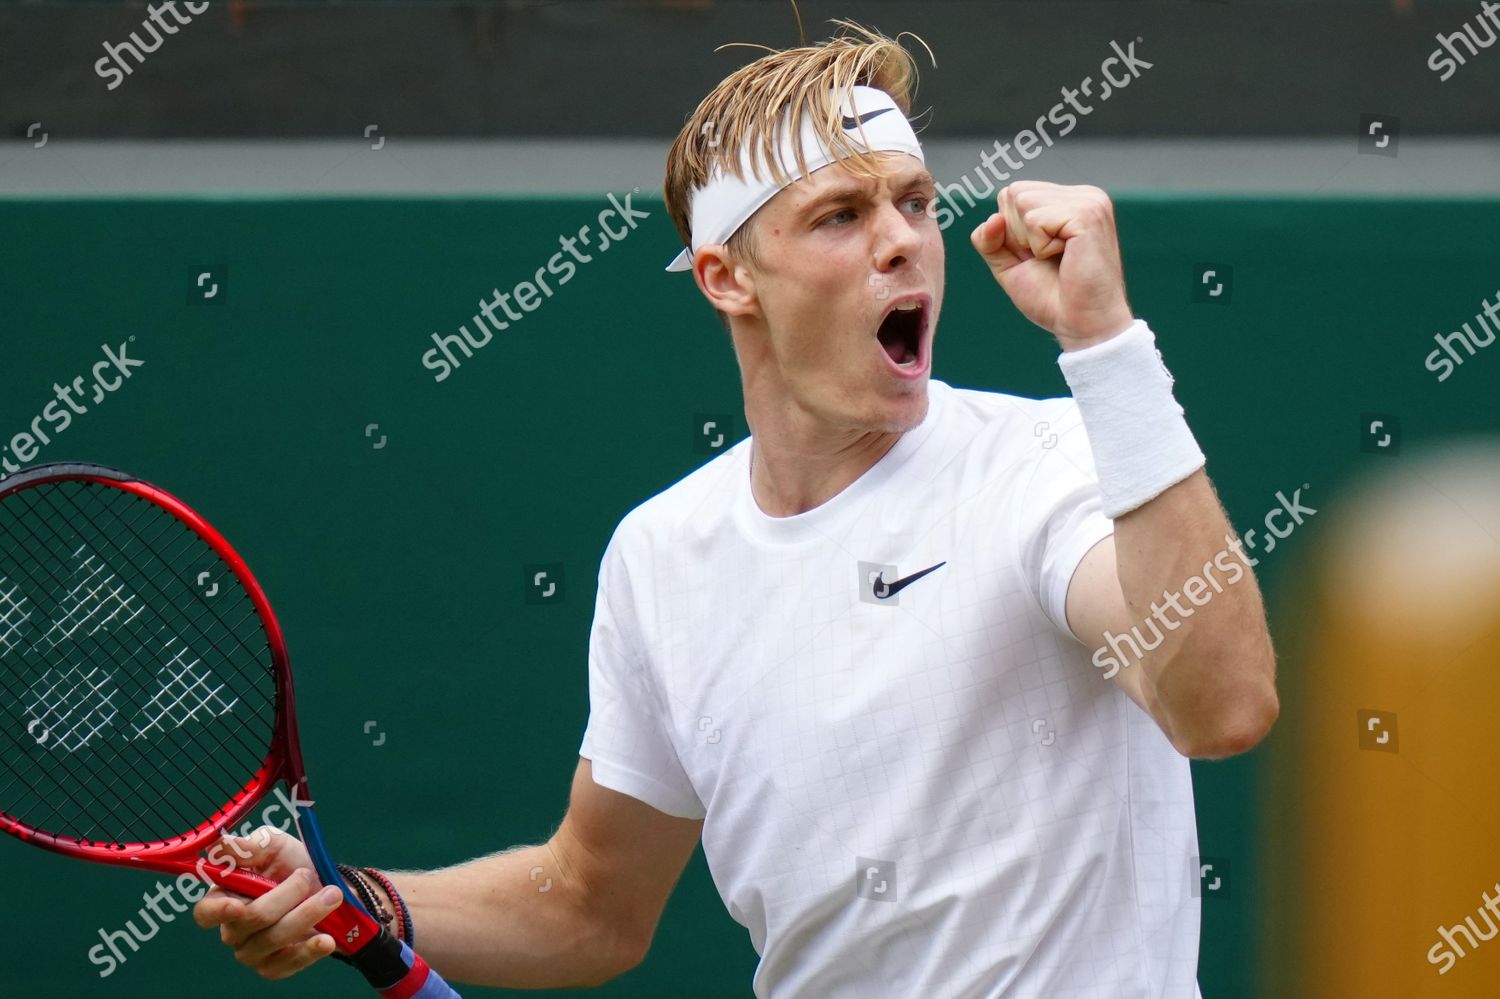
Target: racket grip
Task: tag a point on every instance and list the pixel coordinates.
(391, 967)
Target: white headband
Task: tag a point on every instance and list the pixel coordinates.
(722, 205)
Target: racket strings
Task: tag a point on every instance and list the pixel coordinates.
(177, 669)
(190, 540)
(186, 687)
(142, 780)
(54, 716)
(16, 773)
(201, 702)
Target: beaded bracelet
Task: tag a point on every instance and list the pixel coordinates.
(366, 894)
(356, 885)
(398, 925)
(404, 926)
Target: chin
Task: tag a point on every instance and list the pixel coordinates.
(905, 411)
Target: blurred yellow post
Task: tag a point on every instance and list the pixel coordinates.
(1383, 793)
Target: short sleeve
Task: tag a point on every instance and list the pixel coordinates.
(627, 736)
(1059, 515)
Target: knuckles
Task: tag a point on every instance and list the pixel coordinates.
(1100, 203)
(1030, 195)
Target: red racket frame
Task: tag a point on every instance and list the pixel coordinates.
(351, 928)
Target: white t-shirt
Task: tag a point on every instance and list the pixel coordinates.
(931, 795)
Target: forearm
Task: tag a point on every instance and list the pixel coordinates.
(490, 922)
(1206, 671)
(1213, 673)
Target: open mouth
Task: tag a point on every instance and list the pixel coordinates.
(901, 330)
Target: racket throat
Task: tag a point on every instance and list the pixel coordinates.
(317, 849)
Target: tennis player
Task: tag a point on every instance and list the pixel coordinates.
(855, 654)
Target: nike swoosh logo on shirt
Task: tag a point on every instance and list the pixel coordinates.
(882, 589)
(850, 123)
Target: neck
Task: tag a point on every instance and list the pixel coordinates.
(791, 475)
(801, 457)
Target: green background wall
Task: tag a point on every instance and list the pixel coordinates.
(398, 571)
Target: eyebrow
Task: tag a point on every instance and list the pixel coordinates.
(856, 189)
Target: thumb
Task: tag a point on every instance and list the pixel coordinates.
(267, 851)
(988, 239)
(989, 235)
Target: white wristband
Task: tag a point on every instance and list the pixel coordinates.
(1141, 443)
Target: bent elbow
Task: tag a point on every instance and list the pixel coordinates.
(629, 952)
(612, 954)
(1236, 732)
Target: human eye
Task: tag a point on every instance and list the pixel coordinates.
(827, 219)
(922, 201)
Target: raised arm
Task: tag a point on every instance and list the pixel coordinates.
(1208, 678)
(1209, 682)
(496, 920)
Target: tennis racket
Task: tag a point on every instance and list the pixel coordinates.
(146, 696)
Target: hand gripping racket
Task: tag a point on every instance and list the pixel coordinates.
(146, 696)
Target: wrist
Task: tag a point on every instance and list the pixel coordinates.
(398, 908)
(379, 898)
(1140, 441)
(1117, 326)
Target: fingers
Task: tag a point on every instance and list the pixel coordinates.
(1037, 226)
(217, 908)
(1012, 236)
(290, 960)
(265, 911)
(1040, 218)
(276, 933)
(291, 931)
(1018, 237)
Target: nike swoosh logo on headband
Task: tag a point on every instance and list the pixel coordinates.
(851, 123)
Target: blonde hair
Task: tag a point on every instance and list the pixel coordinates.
(745, 108)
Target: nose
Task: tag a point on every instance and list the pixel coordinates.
(897, 241)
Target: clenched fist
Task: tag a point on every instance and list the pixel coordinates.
(1054, 251)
